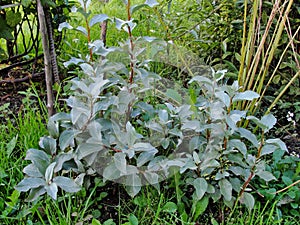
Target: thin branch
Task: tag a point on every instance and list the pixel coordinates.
(3, 70)
(19, 80)
(291, 185)
(9, 6)
(131, 45)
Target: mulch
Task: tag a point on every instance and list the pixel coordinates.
(13, 82)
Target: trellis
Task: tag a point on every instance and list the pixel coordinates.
(24, 48)
(25, 34)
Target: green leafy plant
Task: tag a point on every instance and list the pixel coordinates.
(223, 156)
(89, 23)
(125, 125)
(285, 193)
(9, 20)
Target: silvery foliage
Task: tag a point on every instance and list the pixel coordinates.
(223, 154)
(141, 133)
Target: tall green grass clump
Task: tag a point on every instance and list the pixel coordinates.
(18, 132)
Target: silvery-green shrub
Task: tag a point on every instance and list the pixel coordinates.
(142, 132)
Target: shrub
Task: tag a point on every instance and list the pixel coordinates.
(128, 125)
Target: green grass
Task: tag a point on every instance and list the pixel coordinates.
(263, 214)
(17, 135)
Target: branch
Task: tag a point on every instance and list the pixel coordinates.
(19, 80)
(291, 185)
(5, 69)
(9, 6)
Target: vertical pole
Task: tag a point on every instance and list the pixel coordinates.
(47, 58)
(103, 26)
